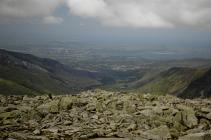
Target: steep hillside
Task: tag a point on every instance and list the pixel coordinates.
(173, 81)
(27, 74)
(200, 87)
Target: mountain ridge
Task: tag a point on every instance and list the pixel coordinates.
(43, 75)
(200, 87)
(173, 81)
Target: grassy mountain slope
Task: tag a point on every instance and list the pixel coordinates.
(32, 74)
(12, 88)
(173, 81)
(200, 87)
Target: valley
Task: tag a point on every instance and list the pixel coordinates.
(68, 70)
(105, 70)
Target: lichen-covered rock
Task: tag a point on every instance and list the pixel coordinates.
(197, 136)
(104, 115)
(50, 107)
(187, 116)
(160, 133)
(208, 116)
(66, 102)
(10, 115)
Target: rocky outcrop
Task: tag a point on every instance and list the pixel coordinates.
(104, 115)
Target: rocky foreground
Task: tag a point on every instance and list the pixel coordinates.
(104, 115)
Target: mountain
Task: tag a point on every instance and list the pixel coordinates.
(27, 74)
(173, 81)
(200, 87)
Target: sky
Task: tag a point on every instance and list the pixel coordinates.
(132, 22)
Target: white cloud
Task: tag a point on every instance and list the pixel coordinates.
(131, 13)
(145, 13)
(52, 20)
(89, 8)
(21, 9)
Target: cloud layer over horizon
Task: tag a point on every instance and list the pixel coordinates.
(13, 10)
(129, 13)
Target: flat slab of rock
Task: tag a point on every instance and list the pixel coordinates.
(111, 139)
(197, 136)
(136, 138)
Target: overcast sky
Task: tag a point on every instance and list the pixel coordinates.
(141, 21)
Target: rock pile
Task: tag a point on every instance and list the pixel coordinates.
(104, 115)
